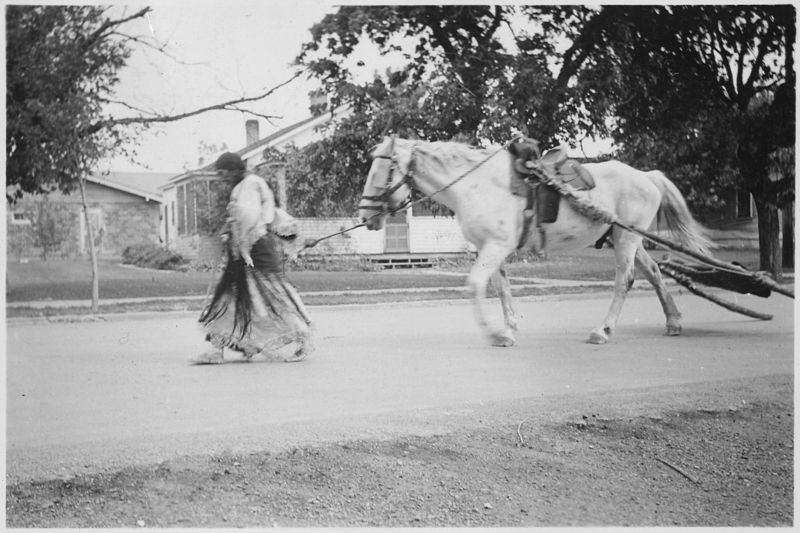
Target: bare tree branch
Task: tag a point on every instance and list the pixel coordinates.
(740, 61)
(98, 33)
(728, 82)
(129, 106)
(269, 118)
(153, 44)
(763, 48)
(230, 105)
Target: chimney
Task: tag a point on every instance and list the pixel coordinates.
(251, 129)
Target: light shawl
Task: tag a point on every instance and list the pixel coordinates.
(251, 208)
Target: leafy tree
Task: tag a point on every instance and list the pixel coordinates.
(707, 93)
(462, 37)
(324, 179)
(460, 80)
(61, 65)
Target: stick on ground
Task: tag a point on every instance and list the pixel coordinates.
(679, 470)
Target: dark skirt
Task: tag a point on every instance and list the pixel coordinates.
(256, 309)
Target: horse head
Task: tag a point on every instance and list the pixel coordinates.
(387, 188)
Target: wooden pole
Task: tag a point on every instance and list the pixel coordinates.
(601, 215)
(693, 288)
(769, 282)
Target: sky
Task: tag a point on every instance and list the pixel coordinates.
(218, 51)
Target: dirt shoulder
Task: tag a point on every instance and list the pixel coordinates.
(710, 454)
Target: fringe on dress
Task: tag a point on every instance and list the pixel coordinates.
(256, 310)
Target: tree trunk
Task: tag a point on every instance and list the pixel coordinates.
(768, 239)
(788, 236)
(92, 250)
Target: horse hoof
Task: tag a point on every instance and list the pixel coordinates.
(597, 337)
(212, 357)
(674, 330)
(502, 340)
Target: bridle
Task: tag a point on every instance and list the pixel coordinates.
(386, 190)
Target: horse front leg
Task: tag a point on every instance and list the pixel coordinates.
(500, 280)
(625, 244)
(650, 269)
(490, 257)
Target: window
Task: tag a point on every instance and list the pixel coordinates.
(182, 210)
(20, 218)
(187, 211)
(191, 209)
(743, 206)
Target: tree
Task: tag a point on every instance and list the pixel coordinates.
(462, 37)
(61, 71)
(708, 93)
(460, 80)
(485, 73)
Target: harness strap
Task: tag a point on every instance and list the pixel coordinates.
(602, 240)
(527, 217)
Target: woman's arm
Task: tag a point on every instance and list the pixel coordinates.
(267, 202)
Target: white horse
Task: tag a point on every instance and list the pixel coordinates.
(476, 185)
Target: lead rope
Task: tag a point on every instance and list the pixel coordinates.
(310, 243)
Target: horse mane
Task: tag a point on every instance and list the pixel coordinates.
(441, 156)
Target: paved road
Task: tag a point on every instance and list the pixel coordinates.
(84, 396)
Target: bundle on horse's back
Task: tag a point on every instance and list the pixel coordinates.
(744, 282)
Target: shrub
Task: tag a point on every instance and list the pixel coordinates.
(152, 256)
(333, 264)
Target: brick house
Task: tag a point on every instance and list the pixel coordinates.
(124, 209)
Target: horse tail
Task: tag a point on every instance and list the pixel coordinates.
(674, 212)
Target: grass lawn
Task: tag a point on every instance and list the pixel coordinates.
(71, 280)
(590, 264)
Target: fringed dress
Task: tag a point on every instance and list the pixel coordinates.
(255, 310)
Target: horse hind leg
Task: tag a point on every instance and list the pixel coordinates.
(650, 269)
(489, 260)
(625, 244)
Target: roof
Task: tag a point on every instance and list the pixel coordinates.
(274, 139)
(143, 184)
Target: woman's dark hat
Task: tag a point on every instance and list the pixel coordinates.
(229, 161)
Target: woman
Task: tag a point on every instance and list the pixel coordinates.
(254, 309)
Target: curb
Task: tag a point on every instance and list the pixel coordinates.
(519, 283)
(182, 314)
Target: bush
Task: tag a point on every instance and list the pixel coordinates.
(152, 256)
(333, 264)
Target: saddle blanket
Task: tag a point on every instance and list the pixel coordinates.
(556, 165)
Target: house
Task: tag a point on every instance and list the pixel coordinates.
(188, 196)
(124, 209)
(734, 224)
